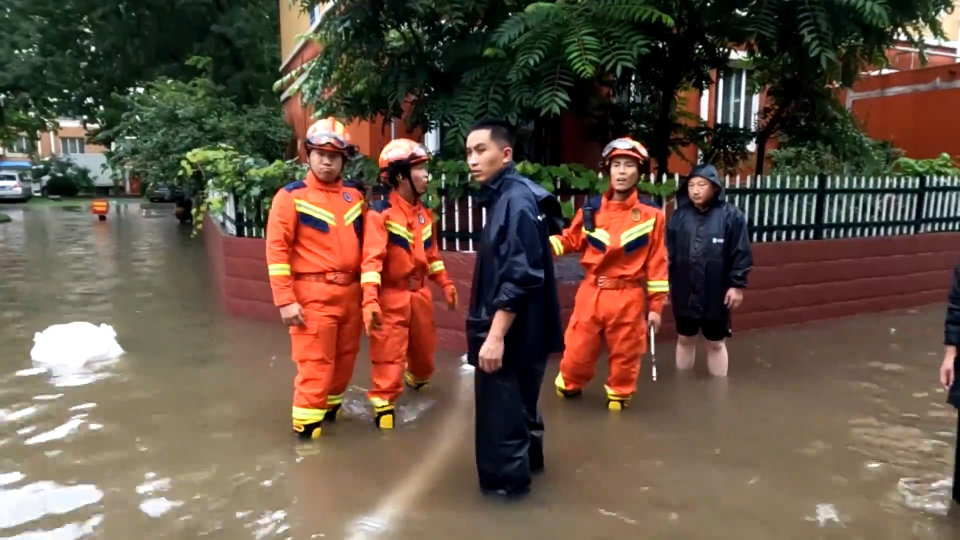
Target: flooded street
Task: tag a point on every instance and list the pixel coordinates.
(831, 430)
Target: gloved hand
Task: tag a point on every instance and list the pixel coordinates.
(371, 317)
(450, 293)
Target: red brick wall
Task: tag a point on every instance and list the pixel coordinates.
(906, 109)
(791, 283)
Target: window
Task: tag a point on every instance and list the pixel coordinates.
(735, 101)
(22, 145)
(72, 145)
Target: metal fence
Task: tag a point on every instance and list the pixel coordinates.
(777, 209)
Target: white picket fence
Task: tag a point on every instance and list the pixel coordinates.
(777, 208)
(786, 208)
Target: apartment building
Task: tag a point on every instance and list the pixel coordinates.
(69, 139)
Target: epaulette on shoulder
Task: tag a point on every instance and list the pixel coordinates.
(293, 186)
(380, 206)
(643, 199)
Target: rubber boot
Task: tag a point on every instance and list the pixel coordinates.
(413, 383)
(617, 403)
(333, 414)
(307, 431)
(568, 394)
(384, 417)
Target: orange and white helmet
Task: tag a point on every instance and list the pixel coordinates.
(329, 134)
(401, 151)
(626, 147)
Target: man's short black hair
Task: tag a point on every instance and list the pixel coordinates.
(500, 130)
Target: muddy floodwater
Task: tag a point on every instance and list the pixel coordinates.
(835, 430)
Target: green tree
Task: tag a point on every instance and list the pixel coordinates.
(170, 118)
(803, 52)
(619, 64)
(74, 58)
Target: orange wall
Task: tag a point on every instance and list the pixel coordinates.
(912, 109)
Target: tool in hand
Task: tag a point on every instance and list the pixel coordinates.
(653, 352)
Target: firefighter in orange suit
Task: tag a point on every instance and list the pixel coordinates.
(314, 236)
(621, 237)
(399, 253)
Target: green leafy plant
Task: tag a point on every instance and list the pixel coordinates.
(61, 177)
(171, 118)
(943, 165)
(221, 170)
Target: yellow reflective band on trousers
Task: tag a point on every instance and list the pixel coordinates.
(308, 416)
(335, 400)
(559, 382)
(413, 381)
(380, 403)
(613, 396)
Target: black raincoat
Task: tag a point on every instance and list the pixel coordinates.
(951, 336)
(514, 272)
(709, 252)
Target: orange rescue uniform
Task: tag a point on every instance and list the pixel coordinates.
(314, 236)
(626, 242)
(399, 253)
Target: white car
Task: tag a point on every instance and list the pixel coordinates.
(12, 187)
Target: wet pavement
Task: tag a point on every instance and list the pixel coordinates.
(832, 430)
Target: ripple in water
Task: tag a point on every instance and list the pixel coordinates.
(34, 501)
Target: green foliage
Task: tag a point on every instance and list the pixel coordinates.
(70, 58)
(222, 169)
(724, 146)
(943, 165)
(453, 177)
(843, 150)
(618, 64)
(171, 118)
(448, 63)
(4, 218)
(803, 51)
(61, 177)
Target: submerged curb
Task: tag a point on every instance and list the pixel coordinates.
(5, 218)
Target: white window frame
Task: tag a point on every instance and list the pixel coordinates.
(741, 67)
(24, 142)
(79, 144)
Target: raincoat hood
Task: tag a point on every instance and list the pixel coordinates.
(708, 172)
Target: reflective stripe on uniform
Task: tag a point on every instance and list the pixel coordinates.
(353, 213)
(308, 415)
(370, 277)
(436, 266)
(278, 269)
(557, 245)
(658, 286)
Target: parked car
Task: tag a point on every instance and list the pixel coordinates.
(14, 187)
(163, 193)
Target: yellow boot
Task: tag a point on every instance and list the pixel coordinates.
(385, 416)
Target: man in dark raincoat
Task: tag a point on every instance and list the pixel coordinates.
(710, 259)
(948, 369)
(513, 322)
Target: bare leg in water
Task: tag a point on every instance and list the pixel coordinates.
(686, 352)
(716, 357)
